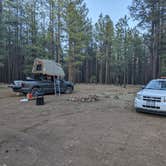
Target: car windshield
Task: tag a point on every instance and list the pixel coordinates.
(156, 85)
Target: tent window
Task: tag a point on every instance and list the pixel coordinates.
(39, 67)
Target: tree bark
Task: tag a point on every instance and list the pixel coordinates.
(106, 66)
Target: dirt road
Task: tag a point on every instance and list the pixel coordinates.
(107, 132)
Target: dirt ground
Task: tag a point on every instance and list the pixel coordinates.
(107, 132)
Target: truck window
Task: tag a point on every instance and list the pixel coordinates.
(39, 67)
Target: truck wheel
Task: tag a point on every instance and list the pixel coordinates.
(24, 93)
(69, 90)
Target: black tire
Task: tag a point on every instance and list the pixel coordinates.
(69, 90)
(24, 93)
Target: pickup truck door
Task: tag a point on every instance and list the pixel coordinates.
(47, 86)
(50, 86)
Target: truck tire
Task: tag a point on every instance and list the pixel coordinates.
(24, 93)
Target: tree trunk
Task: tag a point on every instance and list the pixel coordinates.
(106, 66)
(101, 72)
(87, 70)
(71, 70)
(58, 36)
(124, 79)
(52, 42)
(154, 41)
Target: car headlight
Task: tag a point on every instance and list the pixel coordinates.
(139, 96)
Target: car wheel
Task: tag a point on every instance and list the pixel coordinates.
(69, 90)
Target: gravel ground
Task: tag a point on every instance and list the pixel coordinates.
(107, 132)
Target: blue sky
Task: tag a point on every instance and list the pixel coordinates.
(114, 8)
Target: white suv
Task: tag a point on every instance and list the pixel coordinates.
(152, 98)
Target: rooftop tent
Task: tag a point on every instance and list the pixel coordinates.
(48, 67)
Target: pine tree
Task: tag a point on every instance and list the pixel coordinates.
(162, 37)
(150, 14)
(1, 35)
(76, 13)
(104, 33)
